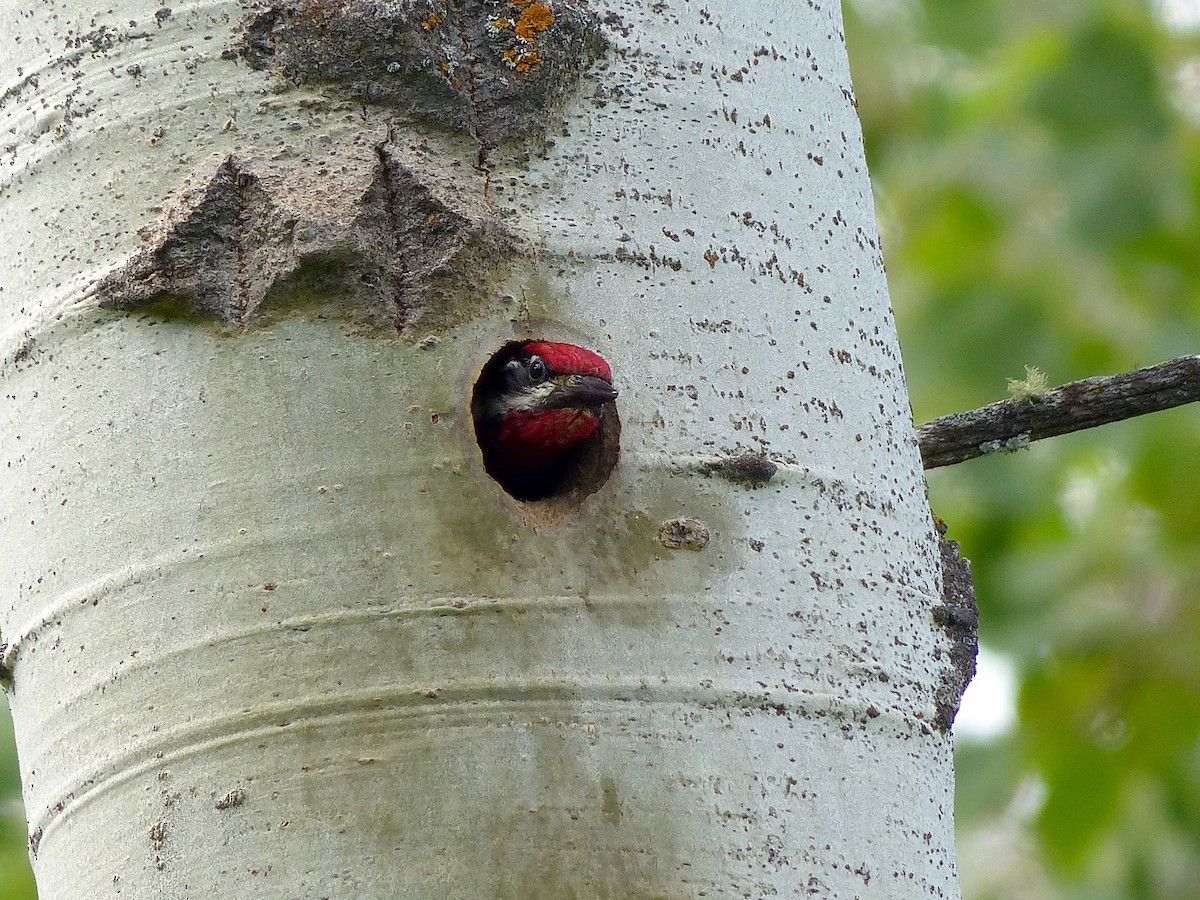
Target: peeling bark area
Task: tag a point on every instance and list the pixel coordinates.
(487, 67)
(958, 617)
(390, 239)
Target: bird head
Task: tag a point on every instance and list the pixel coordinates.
(536, 402)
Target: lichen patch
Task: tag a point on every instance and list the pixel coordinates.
(446, 64)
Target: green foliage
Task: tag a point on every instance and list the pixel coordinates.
(1038, 179)
(16, 878)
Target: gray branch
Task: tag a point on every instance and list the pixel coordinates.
(1012, 424)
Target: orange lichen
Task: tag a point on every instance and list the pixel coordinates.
(527, 61)
(535, 18)
(431, 21)
(522, 61)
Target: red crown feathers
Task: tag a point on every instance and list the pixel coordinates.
(567, 358)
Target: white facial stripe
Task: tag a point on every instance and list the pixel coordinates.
(532, 398)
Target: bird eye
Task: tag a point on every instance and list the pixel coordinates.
(537, 369)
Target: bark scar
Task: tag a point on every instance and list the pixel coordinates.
(241, 303)
(398, 278)
(386, 236)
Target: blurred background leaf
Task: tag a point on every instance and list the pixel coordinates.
(16, 878)
(1037, 175)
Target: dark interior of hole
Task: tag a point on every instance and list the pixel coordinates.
(569, 476)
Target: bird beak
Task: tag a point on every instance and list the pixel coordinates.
(581, 390)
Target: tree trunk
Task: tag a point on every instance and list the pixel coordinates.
(272, 629)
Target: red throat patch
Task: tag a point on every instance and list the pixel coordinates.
(530, 439)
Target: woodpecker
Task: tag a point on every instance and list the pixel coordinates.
(535, 406)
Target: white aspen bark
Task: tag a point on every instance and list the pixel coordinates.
(272, 630)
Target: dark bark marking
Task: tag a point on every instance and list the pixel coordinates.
(400, 271)
(752, 470)
(958, 616)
